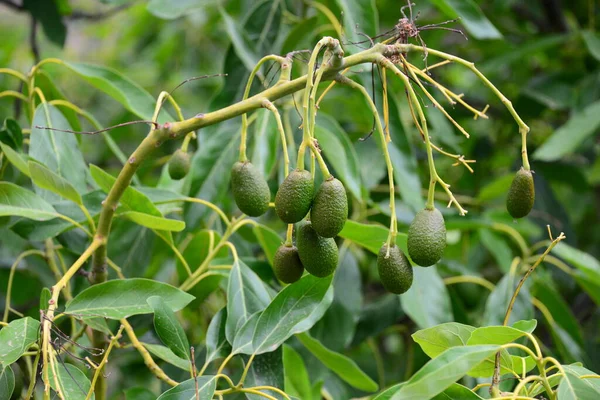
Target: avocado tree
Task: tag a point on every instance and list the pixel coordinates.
(258, 248)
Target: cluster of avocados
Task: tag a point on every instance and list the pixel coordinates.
(315, 250)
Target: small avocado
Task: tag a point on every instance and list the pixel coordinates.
(330, 208)
(179, 165)
(319, 255)
(250, 189)
(521, 194)
(395, 271)
(295, 196)
(287, 265)
(427, 237)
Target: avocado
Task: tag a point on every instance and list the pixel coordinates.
(330, 208)
(295, 196)
(250, 189)
(521, 194)
(427, 237)
(319, 255)
(287, 265)
(395, 271)
(179, 165)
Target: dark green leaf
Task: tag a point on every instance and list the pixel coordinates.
(139, 393)
(11, 134)
(471, 17)
(343, 366)
(297, 382)
(572, 387)
(15, 159)
(122, 298)
(167, 355)
(216, 341)
(269, 240)
(47, 13)
(7, 381)
(266, 370)
(168, 328)
(498, 300)
(584, 262)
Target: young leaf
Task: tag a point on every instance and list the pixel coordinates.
(15, 158)
(168, 328)
(441, 372)
(439, 338)
(14, 200)
(167, 355)
(297, 382)
(123, 298)
(46, 179)
(152, 222)
(72, 382)
(370, 236)
(246, 294)
(427, 302)
(16, 337)
(58, 151)
(343, 366)
(187, 390)
(291, 307)
(494, 335)
(217, 345)
(7, 381)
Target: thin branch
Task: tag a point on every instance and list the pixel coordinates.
(82, 15)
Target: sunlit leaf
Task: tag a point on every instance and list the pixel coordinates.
(16, 337)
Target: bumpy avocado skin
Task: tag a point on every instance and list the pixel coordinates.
(521, 194)
(179, 165)
(319, 255)
(427, 237)
(250, 189)
(295, 196)
(287, 265)
(330, 208)
(395, 271)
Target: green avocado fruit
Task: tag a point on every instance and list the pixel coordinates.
(250, 189)
(287, 265)
(319, 255)
(395, 271)
(295, 196)
(521, 194)
(330, 208)
(179, 165)
(427, 237)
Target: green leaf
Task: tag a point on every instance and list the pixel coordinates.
(584, 262)
(566, 139)
(15, 159)
(16, 338)
(168, 9)
(187, 390)
(441, 372)
(494, 335)
(268, 239)
(266, 143)
(168, 328)
(217, 345)
(47, 13)
(72, 382)
(497, 302)
(297, 382)
(471, 17)
(370, 236)
(498, 247)
(457, 392)
(572, 387)
(437, 339)
(14, 200)
(132, 198)
(288, 312)
(46, 179)
(132, 96)
(153, 222)
(246, 294)
(243, 337)
(45, 297)
(125, 297)
(266, 370)
(343, 366)
(427, 302)
(139, 393)
(58, 151)
(361, 13)
(592, 41)
(7, 381)
(11, 134)
(339, 152)
(167, 355)
(241, 43)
